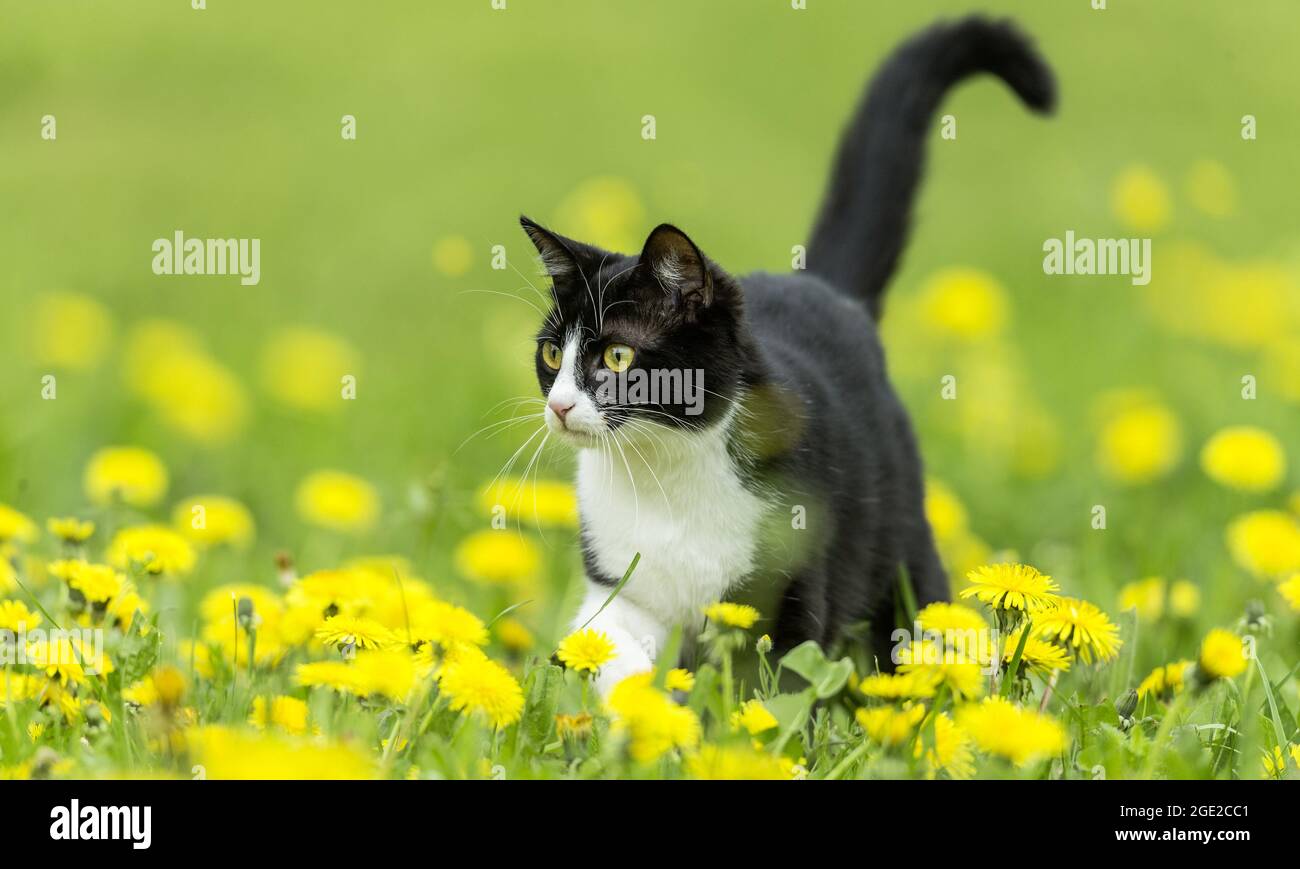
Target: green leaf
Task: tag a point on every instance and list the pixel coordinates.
(636, 559)
(538, 720)
(791, 713)
(827, 677)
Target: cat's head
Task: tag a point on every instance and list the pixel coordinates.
(636, 343)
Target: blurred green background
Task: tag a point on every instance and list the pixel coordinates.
(226, 123)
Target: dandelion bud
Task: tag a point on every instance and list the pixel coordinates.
(764, 644)
(1127, 704)
(244, 612)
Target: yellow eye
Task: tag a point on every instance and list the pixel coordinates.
(552, 355)
(618, 357)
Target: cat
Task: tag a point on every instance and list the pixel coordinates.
(795, 482)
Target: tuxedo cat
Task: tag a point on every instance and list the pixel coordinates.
(787, 473)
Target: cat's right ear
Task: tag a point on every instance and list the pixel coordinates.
(560, 255)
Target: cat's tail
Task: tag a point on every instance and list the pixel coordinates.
(864, 218)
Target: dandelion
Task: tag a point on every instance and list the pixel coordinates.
(1184, 599)
(97, 583)
(69, 330)
(889, 725)
(942, 666)
(1140, 439)
(498, 558)
(959, 627)
(1011, 587)
(15, 527)
(514, 635)
(1001, 728)
(735, 615)
(349, 632)
(337, 501)
(71, 530)
(447, 625)
(303, 368)
(754, 717)
(951, 752)
(548, 503)
(226, 753)
(735, 763)
(604, 211)
(1245, 458)
(1223, 655)
(1275, 763)
(1039, 656)
(1146, 596)
(132, 475)
(1165, 681)
(964, 303)
(586, 651)
(1290, 591)
(900, 686)
(452, 255)
(15, 617)
(574, 727)
(481, 685)
(1265, 543)
(335, 675)
(384, 673)
(1140, 200)
(155, 549)
(678, 679)
(1081, 626)
(652, 722)
(287, 713)
(213, 520)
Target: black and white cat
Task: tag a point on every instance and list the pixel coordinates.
(792, 479)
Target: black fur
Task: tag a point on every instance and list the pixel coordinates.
(820, 428)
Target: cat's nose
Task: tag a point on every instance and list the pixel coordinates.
(560, 407)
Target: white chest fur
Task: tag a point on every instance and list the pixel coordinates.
(684, 508)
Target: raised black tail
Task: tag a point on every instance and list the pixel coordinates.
(864, 219)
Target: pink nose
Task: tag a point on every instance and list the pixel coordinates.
(560, 408)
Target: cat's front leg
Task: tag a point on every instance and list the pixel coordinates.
(636, 634)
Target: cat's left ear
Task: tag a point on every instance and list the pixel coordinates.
(680, 269)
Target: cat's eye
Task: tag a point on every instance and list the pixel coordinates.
(552, 355)
(618, 357)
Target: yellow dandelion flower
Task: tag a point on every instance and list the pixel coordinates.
(900, 686)
(604, 211)
(1000, 728)
(1275, 764)
(452, 255)
(1165, 681)
(735, 763)
(447, 625)
(342, 631)
(1223, 655)
(964, 303)
(155, 549)
(889, 725)
(97, 583)
(651, 721)
(15, 527)
(951, 752)
(337, 501)
(1265, 543)
(574, 726)
(15, 617)
(1290, 590)
(226, 753)
(326, 674)
(1140, 440)
(69, 330)
(1184, 599)
(287, 713)
(305, 368)
(754, 717)
(1146, 596)
(956, 626)
(586, 651)
(71, 529)
(130, 474)
(1038, 655)
(944, 511)
(546, 503)
(498, 558)
(679, 679)
(482, 685)
(212, 520)
(514, 635)
(1011, 587)
(1245, 458)
(1140, 200)
(735, 615)
(387, 673)
(929, 661)
(1082, 627)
